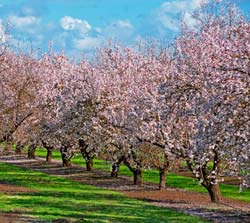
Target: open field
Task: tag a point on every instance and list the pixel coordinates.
(39, 197)
(72, 197)
(174, 180)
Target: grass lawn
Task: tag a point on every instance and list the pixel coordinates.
(173, 180)
(57, 197)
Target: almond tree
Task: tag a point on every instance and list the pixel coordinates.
(129, 96)
(56, 73)
(19, 84)
(208, 99)
(41, 128)
(70, 106)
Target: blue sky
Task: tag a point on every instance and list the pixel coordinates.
(82, 25)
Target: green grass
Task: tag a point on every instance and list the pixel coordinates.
(173, 180)
(57, 197)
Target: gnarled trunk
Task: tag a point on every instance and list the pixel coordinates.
(7, 147)
(65, 159)
(31, 152)
(137, 177)
(49, 149)
(66, 163)
(163, 173)
(214, 192)
(49, 155)
(19, 148)
(89, 164)
(163, 176)
(116, 167)
(114, 170)
(136, 170)
(204, 175)
(86, 155)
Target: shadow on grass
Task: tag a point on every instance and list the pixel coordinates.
(58, 198)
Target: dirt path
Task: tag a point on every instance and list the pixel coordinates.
(16, 217)
(185, 201)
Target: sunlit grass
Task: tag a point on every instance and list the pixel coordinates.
(56, 197)
(173, 180)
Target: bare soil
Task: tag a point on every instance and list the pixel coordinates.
(12, 189)
(6, 188)
(228, 210)
(15, 217)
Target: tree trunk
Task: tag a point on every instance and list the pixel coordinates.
(137, 173)
(49, 155)
(31, 152)
(114, 170)
(7, 147)
(65, 160)
(18, 149)
(86, 155)
(116, 167)
(137, 177)
(89, 164)
(214, 192)
(163, 174)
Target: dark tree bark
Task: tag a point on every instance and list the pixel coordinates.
(137, 173)
(31, 152)
(212, 187)
(114, 170)
(65, 159)
(137, 177)
(66, 163)
(86, 155)
(89, 164)
(163, 176)
(116, 167)
(49, 155)
(163, 173)
(214, 192)
(8, 145)
(19, 148)
(204, 175)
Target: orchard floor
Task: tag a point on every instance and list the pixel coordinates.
(14, 216)
(198, 204)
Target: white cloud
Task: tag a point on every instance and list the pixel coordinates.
(189, 19)
(60, 39)
(182, 5)
(87, 43)
(174, 7)
(123, 24)
(98, 29)
(198, 3)
(120, 29)
(69, 23)
(23, 22)
(170, 13)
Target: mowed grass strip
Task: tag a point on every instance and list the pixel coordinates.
(59, 198)
(173, 180)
